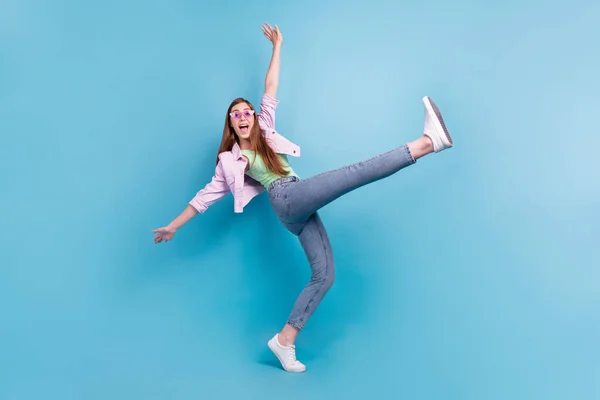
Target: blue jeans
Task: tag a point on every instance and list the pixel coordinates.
(296, 202)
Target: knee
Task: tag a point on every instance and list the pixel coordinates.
(326, 278)
(329, 278)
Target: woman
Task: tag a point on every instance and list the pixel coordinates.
(252, 158)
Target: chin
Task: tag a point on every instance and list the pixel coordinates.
(244, 135)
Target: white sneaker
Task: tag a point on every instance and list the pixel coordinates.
(435, 127)
(286, 355)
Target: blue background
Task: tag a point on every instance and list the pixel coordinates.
(471, 275)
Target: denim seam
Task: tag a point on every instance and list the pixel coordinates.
(409, 154)
(295, 325)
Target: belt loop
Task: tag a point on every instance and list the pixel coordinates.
(281, 181)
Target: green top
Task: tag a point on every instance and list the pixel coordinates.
(259, 172)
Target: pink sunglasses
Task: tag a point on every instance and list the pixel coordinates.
(238, 114)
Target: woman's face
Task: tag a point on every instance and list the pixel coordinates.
(241, 119)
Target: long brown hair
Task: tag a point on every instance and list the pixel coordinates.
(258, 143)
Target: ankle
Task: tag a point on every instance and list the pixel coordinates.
(427, 144)
(285, 340)
(421, 147)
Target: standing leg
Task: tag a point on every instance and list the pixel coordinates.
(317, 248)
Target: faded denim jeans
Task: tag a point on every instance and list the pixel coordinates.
(296, 203)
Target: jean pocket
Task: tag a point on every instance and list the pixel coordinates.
(279, 203)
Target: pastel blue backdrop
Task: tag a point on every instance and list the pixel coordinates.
(471, 275)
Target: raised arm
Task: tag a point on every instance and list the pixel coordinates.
(272, 79)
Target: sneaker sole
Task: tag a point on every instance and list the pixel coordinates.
(271, 345)
(439, 121)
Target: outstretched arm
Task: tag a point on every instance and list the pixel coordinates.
(215, 190)
(272, 79)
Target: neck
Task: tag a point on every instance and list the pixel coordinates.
(245, 144)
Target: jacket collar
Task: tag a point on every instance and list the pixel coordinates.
(236, 151)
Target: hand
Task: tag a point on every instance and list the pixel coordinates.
(273, 34)
(165, 233)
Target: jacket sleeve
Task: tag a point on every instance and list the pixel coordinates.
(266, 116)
(215, 190)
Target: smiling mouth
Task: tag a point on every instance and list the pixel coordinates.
(244, 128)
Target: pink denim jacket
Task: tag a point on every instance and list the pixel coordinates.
(230, 174)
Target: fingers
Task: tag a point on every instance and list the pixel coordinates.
(269, 31)
(268, 34)
(160, 239)
(162, 236)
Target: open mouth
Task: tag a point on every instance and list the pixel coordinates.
(244, 128)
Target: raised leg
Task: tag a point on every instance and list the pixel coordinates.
(307, 196)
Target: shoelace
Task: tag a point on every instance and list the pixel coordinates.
(292, 354)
